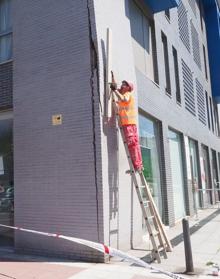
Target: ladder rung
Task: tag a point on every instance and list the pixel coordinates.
(142, 187)
(129, 171)
(145, 203)
(161, 248)
(155, 233)
(149, 217)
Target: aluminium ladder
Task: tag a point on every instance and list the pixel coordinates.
(158, 237)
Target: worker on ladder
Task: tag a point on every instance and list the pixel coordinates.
(128, 120)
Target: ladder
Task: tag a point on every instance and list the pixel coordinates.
(160, 242)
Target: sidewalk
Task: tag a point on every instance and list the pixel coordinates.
(205, 240)
(205, 246)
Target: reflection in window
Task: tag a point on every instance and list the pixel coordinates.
(176, 161)
(166, 62)
(177, 79)
(144, 42)
(150, 155)
(6, 181)
(194, 172)
(5, 30)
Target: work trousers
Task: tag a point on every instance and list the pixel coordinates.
(131, 137)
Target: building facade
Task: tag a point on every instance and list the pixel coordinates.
(63, 163)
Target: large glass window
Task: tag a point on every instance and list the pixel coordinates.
(215, 174)
(5, 30)
(6, 181)
(150, 154)
(194, 172)
(176, 161)
(206, 178)
(143, 41)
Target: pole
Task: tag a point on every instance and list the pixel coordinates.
(187, 247)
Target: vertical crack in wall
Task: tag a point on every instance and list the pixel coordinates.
(94, 86)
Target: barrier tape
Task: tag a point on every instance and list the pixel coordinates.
(101, 248)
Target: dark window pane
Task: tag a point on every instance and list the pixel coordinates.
(166, 62)
(207, 109)
(5, 47)
(167, 13)
(176, 69)
(5, 16)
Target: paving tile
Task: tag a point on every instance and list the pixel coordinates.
(21, 270)
(142, 277)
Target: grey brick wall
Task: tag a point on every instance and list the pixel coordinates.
(57, 168)
(6, 83)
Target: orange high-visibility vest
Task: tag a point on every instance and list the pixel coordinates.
(127, 111)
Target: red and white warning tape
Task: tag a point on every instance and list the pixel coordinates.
(100, 247)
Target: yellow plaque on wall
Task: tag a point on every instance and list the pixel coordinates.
(57, 119)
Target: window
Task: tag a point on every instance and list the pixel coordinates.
(144, 42)
(207, 109)
(149, 142)
(218, 166)
(201, 12)
(194, 159)
(177, 80)
(5, 30)
(216, 116)
(166, 62)
(167, 14)
(6, 177)
(206, 174)
(177, 173)
(214, 167)
(205, 62)
(211, 111)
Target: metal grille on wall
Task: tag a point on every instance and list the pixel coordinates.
(200, 102)
(188, 89)
(183, 26)
(195, 46)
(6, 86)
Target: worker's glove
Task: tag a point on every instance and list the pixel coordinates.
(113, 86)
